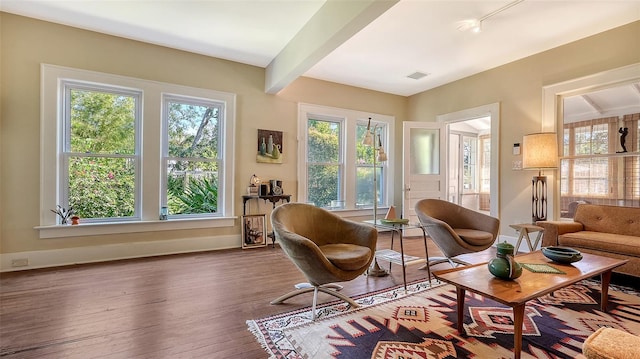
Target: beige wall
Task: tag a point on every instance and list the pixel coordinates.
(26, 43)
(518, 88)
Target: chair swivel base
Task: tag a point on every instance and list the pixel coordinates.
(331, 289)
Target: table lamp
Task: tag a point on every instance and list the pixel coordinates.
(539, 152)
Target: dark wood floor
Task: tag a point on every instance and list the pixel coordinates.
(180, 306)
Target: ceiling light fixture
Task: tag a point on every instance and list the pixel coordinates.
(475, 25)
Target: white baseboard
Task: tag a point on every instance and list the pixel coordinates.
(91, 254)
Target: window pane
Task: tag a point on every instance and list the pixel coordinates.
(591, 177)
(101, 187)
(485, 174)
(101, 122)
(322, 184)
(323, 144)
(193, 130)
(364, 186)
(364, 167)
(469, 155)
(425, 151)
(192, 187)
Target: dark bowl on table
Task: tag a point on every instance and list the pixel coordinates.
(561, 254)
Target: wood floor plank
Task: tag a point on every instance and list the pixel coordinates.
(180, 306)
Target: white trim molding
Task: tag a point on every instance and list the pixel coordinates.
(109, 252)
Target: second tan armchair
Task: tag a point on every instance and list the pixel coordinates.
(455, 229)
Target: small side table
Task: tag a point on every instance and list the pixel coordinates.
(524, 229)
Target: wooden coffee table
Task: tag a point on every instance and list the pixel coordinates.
(515, 293)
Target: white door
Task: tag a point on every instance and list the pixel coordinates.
(423, 165)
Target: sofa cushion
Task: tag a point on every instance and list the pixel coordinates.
(606, 242)
(609, 219)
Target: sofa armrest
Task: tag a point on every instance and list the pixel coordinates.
(552, 229)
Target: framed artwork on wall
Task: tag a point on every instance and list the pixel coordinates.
(270, 148)
(254, 231)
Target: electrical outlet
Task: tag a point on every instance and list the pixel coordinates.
(516, 165)
(20, 262)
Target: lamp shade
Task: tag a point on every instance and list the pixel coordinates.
(540, 150)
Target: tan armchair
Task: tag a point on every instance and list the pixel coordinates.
(455, 229)
(324, 247)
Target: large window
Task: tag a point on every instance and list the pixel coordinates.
(192, 155)
(335, 169)
(118, 149)
(325, 164)
(100, 152)
(593, 168)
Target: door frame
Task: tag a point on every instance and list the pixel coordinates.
(492, 110)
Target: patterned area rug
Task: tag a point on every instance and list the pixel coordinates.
(421, 324)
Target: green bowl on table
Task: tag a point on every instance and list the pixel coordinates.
(562, 254)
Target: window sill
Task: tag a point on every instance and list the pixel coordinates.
(94, 229)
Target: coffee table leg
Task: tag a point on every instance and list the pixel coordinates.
(460, 292)
(605, 279)
(518, 318)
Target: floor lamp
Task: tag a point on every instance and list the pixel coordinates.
(539, 152)
(378, 156)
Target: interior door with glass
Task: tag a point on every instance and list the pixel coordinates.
(423, 165)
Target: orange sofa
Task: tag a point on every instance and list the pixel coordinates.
(598, 229)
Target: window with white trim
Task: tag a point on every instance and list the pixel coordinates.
(116, 149)
(100, 151)
(335, 169)
(592, 171)
(192, 155)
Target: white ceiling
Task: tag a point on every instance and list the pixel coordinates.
(411, 36)
(607, 102)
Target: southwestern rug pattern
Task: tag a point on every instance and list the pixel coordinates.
(421, 324)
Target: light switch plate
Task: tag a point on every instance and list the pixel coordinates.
(516, 164)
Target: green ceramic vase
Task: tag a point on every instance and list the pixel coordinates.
(504, 265)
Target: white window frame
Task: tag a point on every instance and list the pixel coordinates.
(349, 118)
(66, 86)
(166, 98)
(51, 120)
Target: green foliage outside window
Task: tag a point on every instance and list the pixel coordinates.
(323, 156)
(192, 171)
(101, 147)
(101, 155)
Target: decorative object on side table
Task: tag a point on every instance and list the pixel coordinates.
(562, 254)
(63, 213)
(254, 185)
(504, 265)
(276, 187)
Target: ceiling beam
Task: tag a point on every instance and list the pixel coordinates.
(335, 22)
(592, 103)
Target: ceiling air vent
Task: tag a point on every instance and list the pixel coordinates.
(417, 75)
